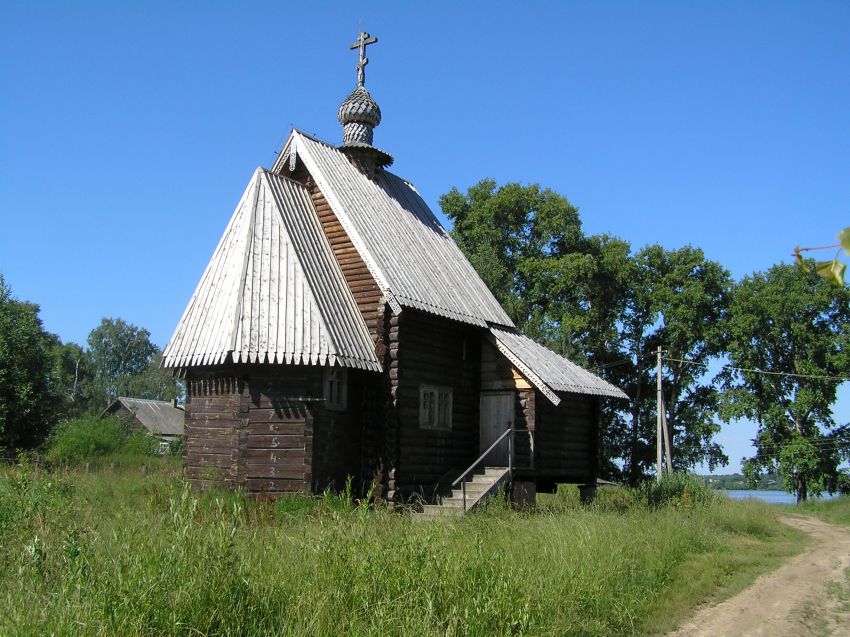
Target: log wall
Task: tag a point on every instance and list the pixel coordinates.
(212, 420)
(367, 294)
(565, 438)
(251, 427)
(425, 349)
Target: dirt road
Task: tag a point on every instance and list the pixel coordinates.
(808, 596)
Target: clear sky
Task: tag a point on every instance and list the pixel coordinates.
(129, 131)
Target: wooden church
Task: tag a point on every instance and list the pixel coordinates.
(339, 333)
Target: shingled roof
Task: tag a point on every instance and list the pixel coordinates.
(548, 371)
(272, 292)
(410, 255)
(157, 416)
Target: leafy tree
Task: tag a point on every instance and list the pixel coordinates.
(26, 405)
(558, 285)
(590, 299)
(154, 383)
(70, 377)
(677, 300)
(122, 357)
(795, 325)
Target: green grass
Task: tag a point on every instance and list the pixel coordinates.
(98, 441)
(122, 552)
(834, 511)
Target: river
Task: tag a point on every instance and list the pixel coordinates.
(771, 497)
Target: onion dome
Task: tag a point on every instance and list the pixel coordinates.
(359, 107)
(359, 114)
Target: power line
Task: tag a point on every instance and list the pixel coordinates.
(762, 371)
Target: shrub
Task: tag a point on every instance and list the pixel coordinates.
(175, 447)
(678, 490)
(90, 438)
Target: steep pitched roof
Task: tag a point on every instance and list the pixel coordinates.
(548, 371)
(272, 291)
(157, 416)
(412, 258)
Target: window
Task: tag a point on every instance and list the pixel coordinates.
(335, 387)
(435, 407)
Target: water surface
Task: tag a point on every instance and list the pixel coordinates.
(771, 497)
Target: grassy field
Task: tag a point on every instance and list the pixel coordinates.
(133, 551)
(835, 511)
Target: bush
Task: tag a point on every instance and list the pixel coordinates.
(678, 490)
(90, 438)
(175, 447)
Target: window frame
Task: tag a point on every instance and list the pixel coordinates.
(335, 378)
(436, 406)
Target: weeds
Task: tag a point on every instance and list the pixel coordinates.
(125, 553)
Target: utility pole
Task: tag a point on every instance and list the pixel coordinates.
(658, 470)
(661, 432)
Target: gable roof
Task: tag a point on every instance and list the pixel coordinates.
(157, 416)
(272, 291)
(548, 371)
(410, 255)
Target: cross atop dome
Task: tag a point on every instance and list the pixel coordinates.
(359, 114)
(363, 40)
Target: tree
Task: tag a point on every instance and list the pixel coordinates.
(154, 383)
(677, 300)
(70, 377)
(795, 326)
(590, 299)
(559, 285)
(120, 352)
(26, 400)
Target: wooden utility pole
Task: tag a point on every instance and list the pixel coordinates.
(661, 432)
(658, 471)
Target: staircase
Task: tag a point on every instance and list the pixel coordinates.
(479, 486)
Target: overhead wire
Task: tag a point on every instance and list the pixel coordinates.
(762, 371)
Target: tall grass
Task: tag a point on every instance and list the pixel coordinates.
(94, 440)
(121, 553)
(834, 511)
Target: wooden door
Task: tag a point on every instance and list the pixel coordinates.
(497, 414)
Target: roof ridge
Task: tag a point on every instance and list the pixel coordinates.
(143, 400)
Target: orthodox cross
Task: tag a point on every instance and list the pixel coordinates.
(363, 40)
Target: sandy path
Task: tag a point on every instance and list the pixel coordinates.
(807, 596)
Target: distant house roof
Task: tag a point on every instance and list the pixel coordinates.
(157, 416)
(548, 371)
(411, 256)
(273, 291)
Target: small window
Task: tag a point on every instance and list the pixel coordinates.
(335, 387)
(435, 407)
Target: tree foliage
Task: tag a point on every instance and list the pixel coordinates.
(26, 394)
(589, 298)
(120, 354)
(677, 300)
(797, 325)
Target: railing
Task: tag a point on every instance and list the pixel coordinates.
(462, 479)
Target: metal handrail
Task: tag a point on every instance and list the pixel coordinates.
(462, 477)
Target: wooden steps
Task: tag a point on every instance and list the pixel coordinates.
(479, 487)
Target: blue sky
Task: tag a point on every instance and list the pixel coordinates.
(130, 131)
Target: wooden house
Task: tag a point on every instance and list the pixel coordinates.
(339, 332)
(160, 418)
